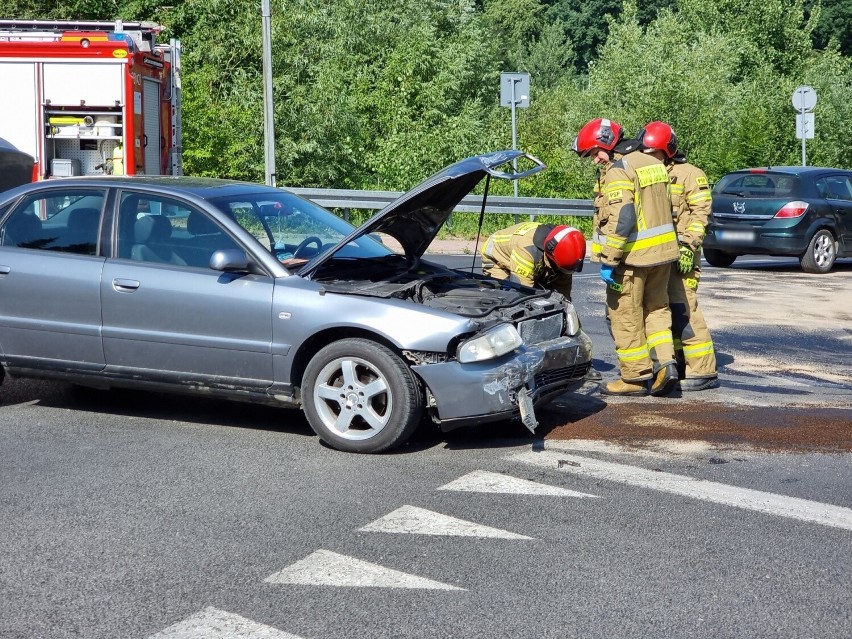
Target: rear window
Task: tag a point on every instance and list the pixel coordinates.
(758, 185)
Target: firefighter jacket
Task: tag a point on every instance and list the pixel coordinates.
(518, 252)
(597, 243)
(690, 203)
(635, 221)
(597, 205)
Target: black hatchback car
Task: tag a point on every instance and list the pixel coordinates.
(804, 212)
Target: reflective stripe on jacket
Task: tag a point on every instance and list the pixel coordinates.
(635, 222)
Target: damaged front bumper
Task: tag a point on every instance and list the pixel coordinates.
(467, 394)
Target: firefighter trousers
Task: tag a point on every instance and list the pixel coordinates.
(640, 320)
(692, 342)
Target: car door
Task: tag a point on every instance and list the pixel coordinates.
(167, 316)
(838, 193)
(50, 271)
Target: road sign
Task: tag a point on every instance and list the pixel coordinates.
(805, 126)
(515, 90)
(804, 98)
(514, 93)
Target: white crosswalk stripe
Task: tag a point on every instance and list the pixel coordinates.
(212, 623)
(481, 481)
(769, 503)
(327, 568)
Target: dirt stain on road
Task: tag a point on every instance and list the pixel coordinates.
(771, 429)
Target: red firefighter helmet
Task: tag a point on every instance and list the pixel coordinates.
(600, 132)
(566, 247)
(659, 136)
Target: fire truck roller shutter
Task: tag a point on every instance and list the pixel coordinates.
(151, 126)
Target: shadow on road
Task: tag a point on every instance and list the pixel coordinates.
(155, 406)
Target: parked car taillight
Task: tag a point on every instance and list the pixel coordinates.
(792, 209)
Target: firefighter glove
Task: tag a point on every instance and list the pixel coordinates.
(686, 259)
(606, 274)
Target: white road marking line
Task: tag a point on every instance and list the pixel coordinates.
(327, 568)
(481, 481)
(419, 521)
(769, 503)
(212, 623)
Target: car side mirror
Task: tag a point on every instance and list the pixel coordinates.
(229, 261)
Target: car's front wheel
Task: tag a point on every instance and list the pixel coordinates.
(718, 258)
(361, 397)
(822, 249)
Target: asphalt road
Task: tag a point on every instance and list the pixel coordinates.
(144, 515)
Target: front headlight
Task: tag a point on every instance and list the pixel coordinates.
(493, 343)
(572, 320)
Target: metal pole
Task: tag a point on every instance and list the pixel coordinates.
(514, 134)
(268, 119)
(804, 134)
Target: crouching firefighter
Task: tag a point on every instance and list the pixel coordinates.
(534, 254)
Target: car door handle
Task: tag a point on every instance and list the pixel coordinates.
(5, 270)
(125, 285)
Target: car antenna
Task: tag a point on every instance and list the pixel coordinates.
(479, 225)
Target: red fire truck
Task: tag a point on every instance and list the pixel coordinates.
(86, 98)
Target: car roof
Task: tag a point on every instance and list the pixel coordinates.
(200, 187)
(792, 170)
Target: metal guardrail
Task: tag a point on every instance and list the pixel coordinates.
(375, 200)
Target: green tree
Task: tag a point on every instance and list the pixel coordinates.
(834, 23)
(587, 22)
(383, 105)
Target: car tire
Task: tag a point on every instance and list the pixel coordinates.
(361, 397)
(821, 253)
(718, 258)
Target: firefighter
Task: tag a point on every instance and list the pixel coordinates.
(637, 247)
(690, 193)
(533, 254)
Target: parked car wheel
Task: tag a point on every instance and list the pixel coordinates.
(718, 258)
(822, 249)
(359, 396)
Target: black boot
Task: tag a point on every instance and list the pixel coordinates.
(699, 383)
(665, 380)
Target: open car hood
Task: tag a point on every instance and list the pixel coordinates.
(415, 217)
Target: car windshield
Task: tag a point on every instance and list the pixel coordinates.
(758, 185)
(294, 229)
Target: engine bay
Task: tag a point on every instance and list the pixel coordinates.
(438, 287)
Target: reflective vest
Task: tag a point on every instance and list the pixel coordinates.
(691, 202)
(635, 221)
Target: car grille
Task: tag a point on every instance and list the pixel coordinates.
(561, 375)
(541, 329)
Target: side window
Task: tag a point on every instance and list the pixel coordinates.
(836, 187)
(67, 222)
(163, 230)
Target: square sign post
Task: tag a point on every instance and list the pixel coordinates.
(514, 93)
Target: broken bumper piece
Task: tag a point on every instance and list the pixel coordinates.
(507, 387)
